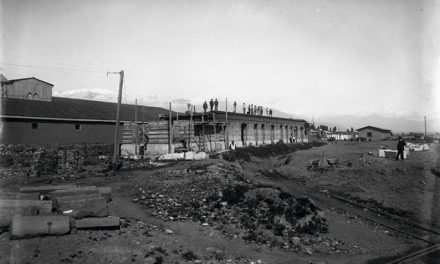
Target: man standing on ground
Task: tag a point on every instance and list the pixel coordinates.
(400, 148)
(211, 104)
(232, 147)
(216, 104)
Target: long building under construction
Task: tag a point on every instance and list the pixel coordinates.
(213, 131)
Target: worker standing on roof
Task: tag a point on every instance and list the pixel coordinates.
(235, 106)
(211, 104)
(205, 107)
(216, 104)
(400, 148)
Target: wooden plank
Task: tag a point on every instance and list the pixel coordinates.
(40, 225)
(45, 188)
(111, 222)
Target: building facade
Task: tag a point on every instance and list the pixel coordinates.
(370, 133)
(214, 131)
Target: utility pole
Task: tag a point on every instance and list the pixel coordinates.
(190, 123)
(136, 129)
(425, 126)
(227, 127)
(135, 110)
(115, 164)
(169, 130)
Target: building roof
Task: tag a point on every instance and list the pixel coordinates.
(375, 128)
(220, 115)
(76, 109)
(16, 80)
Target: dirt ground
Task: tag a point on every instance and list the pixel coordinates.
(408, 187)
(170, 214)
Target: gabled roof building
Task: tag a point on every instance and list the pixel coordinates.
(31, 115)
(371, 133)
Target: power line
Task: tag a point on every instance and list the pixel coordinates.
(51, 67)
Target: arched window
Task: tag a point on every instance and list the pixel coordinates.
(29, 96)
(35, 96)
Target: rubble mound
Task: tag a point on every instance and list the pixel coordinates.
(223, 199)
(267, 212)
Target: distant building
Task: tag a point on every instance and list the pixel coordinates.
(26, 88)
(371, 133)
(341, 135)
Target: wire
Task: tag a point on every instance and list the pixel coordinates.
(51, 68)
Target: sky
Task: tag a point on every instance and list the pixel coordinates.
(304, 57)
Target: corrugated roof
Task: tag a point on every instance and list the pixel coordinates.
(375, 128)
(69, 108)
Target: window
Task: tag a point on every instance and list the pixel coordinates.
(35, 96)
(77, 126)
(34, 125)
(369, 134)
(29, 96)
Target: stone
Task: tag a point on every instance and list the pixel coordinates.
(32, 226)
(75, 191)
(77, 197)
(44, 207)
(307, 250)
(296, 241)
(7, 214)
(105, 192)
(46, 188)
(85, 207)
(111, 222)
(19, 196)
(168, 231)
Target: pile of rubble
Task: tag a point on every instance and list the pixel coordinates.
(55, 210)
(233, 205)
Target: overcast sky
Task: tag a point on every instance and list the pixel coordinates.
(310, 57)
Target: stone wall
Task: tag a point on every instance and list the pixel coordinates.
(44, 160)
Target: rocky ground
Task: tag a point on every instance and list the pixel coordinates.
(226, 211)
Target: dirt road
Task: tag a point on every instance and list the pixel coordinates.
(170, 215)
